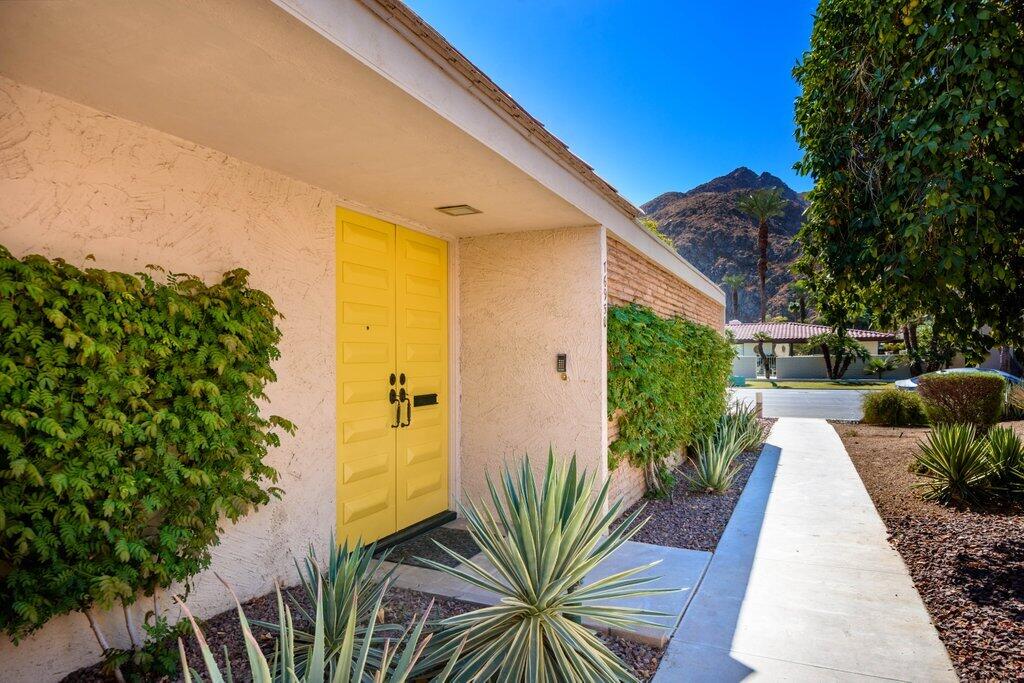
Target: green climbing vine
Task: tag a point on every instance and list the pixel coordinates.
(667, 383)
(129, 428)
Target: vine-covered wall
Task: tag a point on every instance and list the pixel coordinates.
(76, 182)
(667, 382)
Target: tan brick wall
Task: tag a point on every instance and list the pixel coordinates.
(634, 278)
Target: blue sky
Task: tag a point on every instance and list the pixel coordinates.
(656, 96)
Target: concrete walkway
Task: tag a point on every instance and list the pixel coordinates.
(804, 585)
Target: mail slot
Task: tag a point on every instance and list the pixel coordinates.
(424, 400)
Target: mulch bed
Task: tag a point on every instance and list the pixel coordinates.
(968, 565)
(458, 540)
(400, 606)
(691, 519)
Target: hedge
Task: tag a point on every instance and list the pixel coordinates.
(963, 397)
(667, 382)
(129, 426)
(892, 407)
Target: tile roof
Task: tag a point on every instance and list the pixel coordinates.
(798, 332)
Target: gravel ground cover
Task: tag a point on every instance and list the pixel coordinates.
(968, 565)
(691, 519)
(400, 606)
(459, 540)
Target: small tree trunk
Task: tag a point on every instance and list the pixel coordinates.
(803, 309)
(102, 640)
(735, 303)
(762, 263)
(828, 360)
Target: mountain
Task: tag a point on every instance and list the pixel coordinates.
(710, 232)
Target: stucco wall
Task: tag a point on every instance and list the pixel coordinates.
(73, 182)
(523, 299)
(744, 366)
(635, 278)
(813, 367)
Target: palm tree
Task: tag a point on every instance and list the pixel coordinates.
(763, 205)
(799, 288)
(734, 282)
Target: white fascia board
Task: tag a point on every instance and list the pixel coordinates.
(393, 53)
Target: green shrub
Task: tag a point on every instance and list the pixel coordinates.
(129, 429)
(1014, 409)
(667, 382)
(955, 465)
(891, 407)
(964, 397)
(541, 545)
(1006, 455)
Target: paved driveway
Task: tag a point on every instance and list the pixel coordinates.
(831, 404)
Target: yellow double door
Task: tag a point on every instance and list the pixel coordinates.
(392, 395)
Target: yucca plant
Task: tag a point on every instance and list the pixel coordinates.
(955, 465)
(350, 577)
(542, 544)
(714, 467)
(1006, 457)
(349, 665)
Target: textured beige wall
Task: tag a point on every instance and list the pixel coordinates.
(74, 182)
(524, 298)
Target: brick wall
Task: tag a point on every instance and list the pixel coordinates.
(631, 277)
(634, 278)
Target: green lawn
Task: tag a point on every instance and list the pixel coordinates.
(815, 384)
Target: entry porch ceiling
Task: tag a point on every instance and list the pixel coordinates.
(248, 79)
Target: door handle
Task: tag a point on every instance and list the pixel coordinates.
(403, 396)
(393, 399)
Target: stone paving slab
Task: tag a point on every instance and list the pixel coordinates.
(679, 568)
(804, 584)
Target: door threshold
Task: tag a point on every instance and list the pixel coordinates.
(422, 527)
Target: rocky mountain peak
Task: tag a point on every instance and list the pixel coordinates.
(710, 231)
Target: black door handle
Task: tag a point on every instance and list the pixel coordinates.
(393, 398)
(403, 396)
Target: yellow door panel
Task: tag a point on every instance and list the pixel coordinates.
(392, 307)
(366, 358)
(422, 343)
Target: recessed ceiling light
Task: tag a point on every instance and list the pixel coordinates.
(458, 210)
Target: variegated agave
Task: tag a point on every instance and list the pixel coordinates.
(542, 545)
(350, 664)
(349, 576)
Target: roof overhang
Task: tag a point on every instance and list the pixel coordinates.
(358, 97)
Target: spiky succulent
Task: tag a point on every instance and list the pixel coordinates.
(541, 545)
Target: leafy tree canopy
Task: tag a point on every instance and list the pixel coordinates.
(912, 124)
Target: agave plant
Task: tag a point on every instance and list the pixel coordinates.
(955, 465)
(349, 665)
(350, 577)
(541, 545)
(714, 468)
(1006, 457)
(743, 421)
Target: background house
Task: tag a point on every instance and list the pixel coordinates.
(785, 350)
(417, 228)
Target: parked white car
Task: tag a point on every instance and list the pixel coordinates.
(911, 384)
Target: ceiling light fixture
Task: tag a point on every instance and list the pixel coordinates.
(458, 210)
